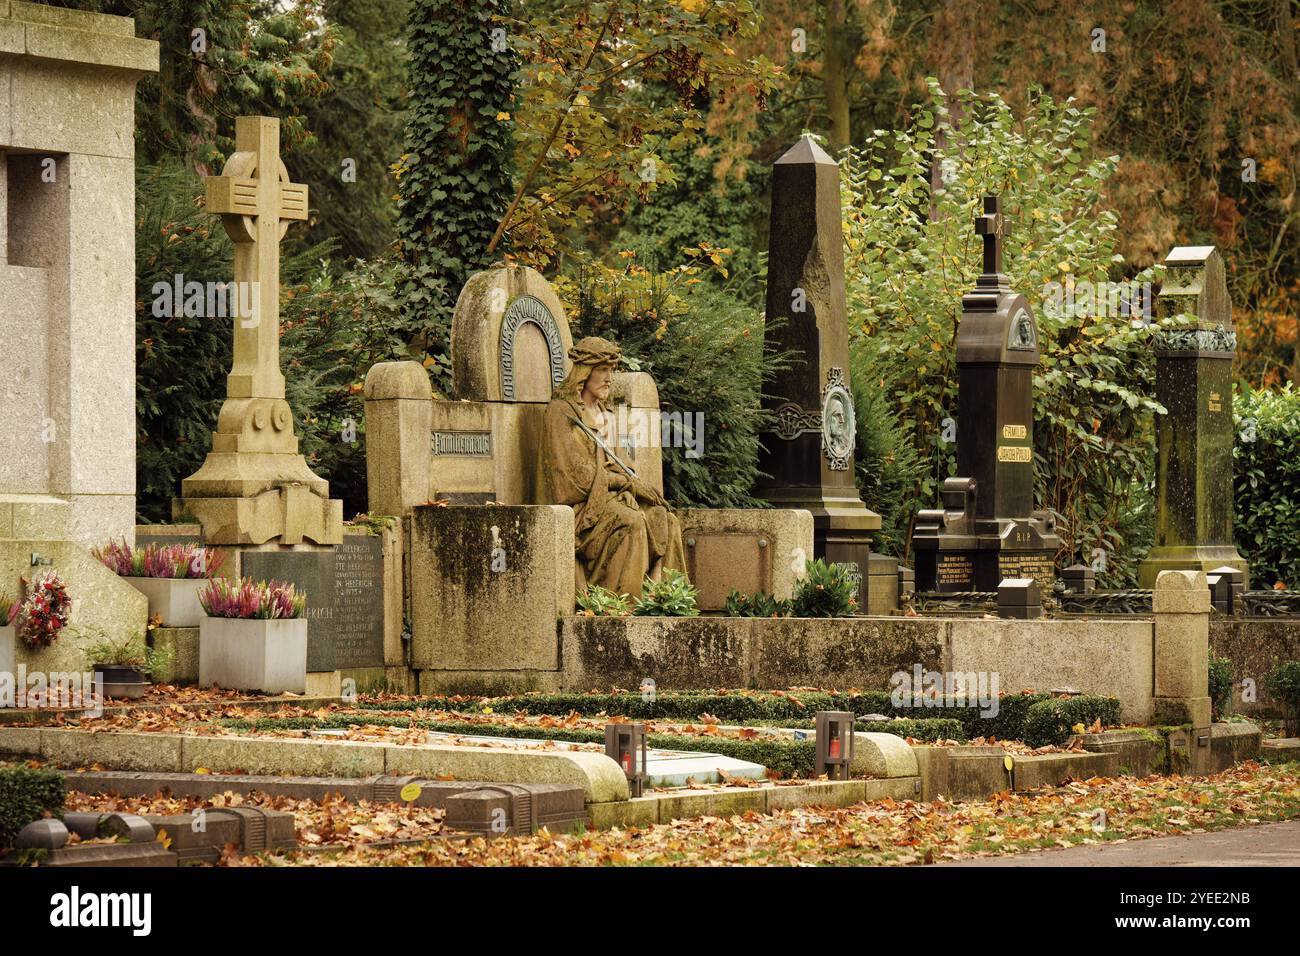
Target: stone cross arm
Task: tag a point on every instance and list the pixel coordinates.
(238, 196)
(992, 227)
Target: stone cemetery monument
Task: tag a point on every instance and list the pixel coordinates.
(255, 491)
(492, 570)
(67, 309)
(807, 457)
(987, 529)
(1194, 440)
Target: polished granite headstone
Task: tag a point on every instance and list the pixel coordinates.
(359, 602)
(806, 457)
(313, 573)
(987, 529)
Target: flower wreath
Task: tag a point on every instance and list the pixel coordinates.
(44, 612)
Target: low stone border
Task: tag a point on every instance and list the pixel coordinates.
(39, 716)
(685, 805)
(599, 777)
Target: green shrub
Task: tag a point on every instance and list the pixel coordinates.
(455, 173)
(704, 348)
(671, 596)
(602, 602)
(1220, 683)
(826, 590)
(1051, 721)
(906, 274)
(760, 604)
(27, 795)
(1007, 724)
(925, 729)
(1266, 483)
(1283, 685)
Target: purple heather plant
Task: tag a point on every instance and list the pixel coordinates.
(160, 561)
(251, 599)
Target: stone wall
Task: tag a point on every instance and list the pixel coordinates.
(1254, 646)
(1100, 657)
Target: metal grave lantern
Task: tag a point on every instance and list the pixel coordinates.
(625, 745)
(834, 744)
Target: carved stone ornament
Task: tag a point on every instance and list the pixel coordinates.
(792, 421)
(1022, 334)
(528, 308)
(839, 424)
(1217, 339)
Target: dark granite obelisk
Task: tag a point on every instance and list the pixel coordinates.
(807, 457)
(987, 529)
(1194, 440)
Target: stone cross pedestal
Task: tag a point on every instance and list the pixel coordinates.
(255, 487)
(807, 457)
(987, 529)
(1194, 439)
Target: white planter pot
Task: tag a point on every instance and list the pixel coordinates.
(243, 654)
(8, 639)
(176, 599)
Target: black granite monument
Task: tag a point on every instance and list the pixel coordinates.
(807, 457)
(987, 529)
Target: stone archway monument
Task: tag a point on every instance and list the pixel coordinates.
(255, 487)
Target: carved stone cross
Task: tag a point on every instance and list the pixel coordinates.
(992, 227)
(256, 201)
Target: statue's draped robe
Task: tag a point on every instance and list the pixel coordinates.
(619, 540)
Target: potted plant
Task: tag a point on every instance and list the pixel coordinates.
(127, 664)
(253, 637)
(170, 576)
(8, 612)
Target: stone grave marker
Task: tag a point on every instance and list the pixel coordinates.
(1194, 440)
(359, 601)
(808, 455)
(255, 486)
(987, 529)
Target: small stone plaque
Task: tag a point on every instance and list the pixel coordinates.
(463, 444)
(359, 601)
(716, 563)
(1028, 564)
(955, 572)
(313, 573)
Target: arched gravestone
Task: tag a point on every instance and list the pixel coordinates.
(532, 353)
(509, 338)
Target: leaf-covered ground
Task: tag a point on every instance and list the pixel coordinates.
(882, 833)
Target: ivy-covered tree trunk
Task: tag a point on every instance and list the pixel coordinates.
(455, 173)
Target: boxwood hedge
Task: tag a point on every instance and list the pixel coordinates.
(1051, 721)
(25, 796)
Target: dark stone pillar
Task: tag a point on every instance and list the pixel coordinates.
(1194, 439)
(807, 458)
(987, 529)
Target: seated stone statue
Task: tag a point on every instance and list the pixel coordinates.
(623, 528)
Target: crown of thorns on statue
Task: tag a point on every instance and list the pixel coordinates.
(595, 351)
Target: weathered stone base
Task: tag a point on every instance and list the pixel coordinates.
(183, 642)
(102, 603)
(1204, 559)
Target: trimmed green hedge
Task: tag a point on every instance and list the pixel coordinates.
(1050, 721)
(1266, 484)
(25, 796)
(927, 730)
(730, 707)
(791, 709)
